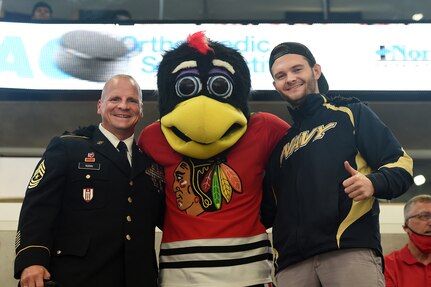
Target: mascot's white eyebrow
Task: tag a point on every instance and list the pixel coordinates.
(185, 65)
(193, 64)
(226, 65)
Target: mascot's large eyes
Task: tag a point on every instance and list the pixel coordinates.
(188, 86)
(220, 86)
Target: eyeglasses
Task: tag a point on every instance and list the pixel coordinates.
(423, 216)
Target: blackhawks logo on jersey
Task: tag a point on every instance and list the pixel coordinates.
(201, 186)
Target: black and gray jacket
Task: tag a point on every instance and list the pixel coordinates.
(304, 199)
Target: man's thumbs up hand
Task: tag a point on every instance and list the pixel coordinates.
(357, 186)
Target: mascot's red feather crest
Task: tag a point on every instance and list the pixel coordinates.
(199, 42)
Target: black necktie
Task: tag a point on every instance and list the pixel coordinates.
(123, 153)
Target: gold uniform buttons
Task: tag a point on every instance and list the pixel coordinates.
(58, 252)
(88, 176)
(129, 218)
(128, 237)
(129, 199)
(131, 183)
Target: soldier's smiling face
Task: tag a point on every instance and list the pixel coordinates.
(120, 107)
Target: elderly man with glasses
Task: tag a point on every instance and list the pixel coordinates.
(410, 266)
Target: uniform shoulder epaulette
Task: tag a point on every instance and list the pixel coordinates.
(81, 132)
(73, 136)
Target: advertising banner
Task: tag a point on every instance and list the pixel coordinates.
(354, 57)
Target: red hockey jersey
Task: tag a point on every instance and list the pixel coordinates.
(212, 221)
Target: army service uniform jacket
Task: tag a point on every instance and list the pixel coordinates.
(87, 219)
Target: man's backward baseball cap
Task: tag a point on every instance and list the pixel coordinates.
(299, 49)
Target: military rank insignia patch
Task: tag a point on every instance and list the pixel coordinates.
(18, 239)
(87, 194)
(37, 175)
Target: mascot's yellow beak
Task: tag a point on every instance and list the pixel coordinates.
(202, 127)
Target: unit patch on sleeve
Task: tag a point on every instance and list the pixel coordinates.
(37, 175)
(157, 175)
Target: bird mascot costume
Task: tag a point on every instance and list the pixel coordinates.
(214, 154)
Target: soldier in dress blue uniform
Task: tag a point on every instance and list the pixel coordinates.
(90, 210)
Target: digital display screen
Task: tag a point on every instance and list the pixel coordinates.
(354, 57)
